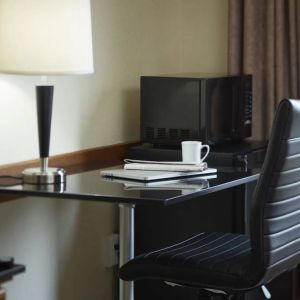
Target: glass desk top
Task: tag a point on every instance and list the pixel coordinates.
(91, 186)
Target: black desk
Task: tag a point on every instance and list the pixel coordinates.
(8, 269)
(7, 274)
(89, 186)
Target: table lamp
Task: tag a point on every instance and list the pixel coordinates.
(45, 37)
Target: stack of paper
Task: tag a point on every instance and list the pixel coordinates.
(176, 166)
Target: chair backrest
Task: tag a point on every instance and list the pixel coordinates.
(275, 219)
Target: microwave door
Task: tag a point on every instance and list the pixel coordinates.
(221, 111)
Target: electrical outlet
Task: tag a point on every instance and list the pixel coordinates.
(111, 250)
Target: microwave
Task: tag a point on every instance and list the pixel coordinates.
(214, 109)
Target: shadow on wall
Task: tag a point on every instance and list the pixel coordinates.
(113, 119)
(82, 227)
(82, 274)
(131, 114)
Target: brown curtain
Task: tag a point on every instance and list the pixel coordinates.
(264, 41)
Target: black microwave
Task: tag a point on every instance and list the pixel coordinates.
(214, 109)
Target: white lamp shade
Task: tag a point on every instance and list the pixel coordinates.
(45, 37)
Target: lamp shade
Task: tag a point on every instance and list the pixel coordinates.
(45, 37)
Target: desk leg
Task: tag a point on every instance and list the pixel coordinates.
(249, 191)
(126, 216)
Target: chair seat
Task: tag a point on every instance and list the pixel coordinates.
(212, 260)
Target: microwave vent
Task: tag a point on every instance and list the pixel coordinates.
(161, 133)
(150, 133)
(173, 133)
(185, 134)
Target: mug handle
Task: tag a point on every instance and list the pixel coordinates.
(207, 152)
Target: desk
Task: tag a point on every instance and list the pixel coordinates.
(8, 270)
(89, 186)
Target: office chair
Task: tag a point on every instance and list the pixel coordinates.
(227, 264)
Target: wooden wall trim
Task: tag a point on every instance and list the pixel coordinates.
(77, 161)
(2, 294)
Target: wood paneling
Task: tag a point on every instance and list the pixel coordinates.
(78, 161)
(74, 162)
(2, 294)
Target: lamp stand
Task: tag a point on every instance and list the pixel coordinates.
(44, 174)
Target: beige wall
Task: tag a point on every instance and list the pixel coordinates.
(204, 36)
(60, 240)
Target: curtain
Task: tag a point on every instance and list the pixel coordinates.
(264, 41)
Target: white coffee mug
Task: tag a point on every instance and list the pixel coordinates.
(191, 151)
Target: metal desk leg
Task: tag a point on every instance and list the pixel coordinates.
(126, 215)
(249, 191)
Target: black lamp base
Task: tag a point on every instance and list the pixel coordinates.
(38, 176)
(44, 175)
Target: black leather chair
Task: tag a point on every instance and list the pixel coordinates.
(230, 263)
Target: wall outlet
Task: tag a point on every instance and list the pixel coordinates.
(111, 250)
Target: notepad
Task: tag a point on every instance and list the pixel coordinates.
(172, 166)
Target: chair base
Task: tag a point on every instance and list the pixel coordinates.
(205, 294)
(213, 294)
